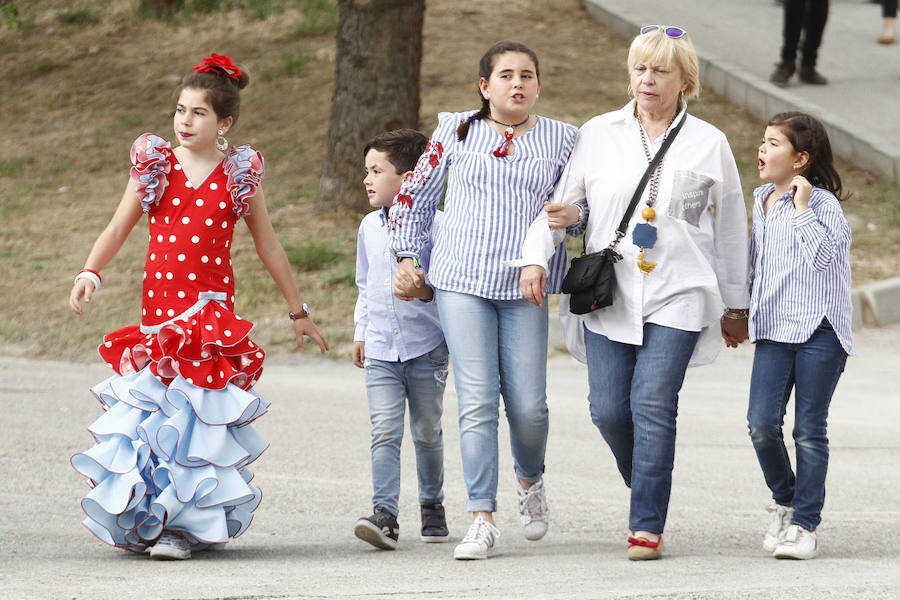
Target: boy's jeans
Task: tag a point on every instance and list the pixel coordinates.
(421, 380)
(812, 370)
(497, 347)
(634, 402)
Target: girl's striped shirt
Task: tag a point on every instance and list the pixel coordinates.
(489, 204)
(801, 268)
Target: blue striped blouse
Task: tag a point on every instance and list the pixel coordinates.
(801, 268)
(488, 206)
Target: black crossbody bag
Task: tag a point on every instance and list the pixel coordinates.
(591, 279)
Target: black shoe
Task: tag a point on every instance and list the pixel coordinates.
(810, 75)
(434, 523)
(783, 73)
(381, 530)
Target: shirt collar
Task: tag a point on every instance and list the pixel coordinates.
(383, 213)
(763, 191)
(626, 115)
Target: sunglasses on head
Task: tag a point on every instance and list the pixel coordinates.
(670, 30)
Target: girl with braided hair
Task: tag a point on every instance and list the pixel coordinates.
(500, 164)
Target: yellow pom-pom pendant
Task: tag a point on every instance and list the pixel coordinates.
(648, 213)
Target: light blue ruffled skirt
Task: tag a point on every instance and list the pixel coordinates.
(171, 457)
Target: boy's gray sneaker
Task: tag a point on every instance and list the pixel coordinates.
(434, 523)
(381, 530)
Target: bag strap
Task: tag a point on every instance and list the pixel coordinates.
(623, 225)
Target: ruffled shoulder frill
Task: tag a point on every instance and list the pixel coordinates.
(151, 156)
(210, 349)
(244, 168)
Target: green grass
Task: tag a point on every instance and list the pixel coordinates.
(288, 66)
(312, 255)
(78, 16)
(12, 167)
(319, 17)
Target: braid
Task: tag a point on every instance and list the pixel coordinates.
(463, 130)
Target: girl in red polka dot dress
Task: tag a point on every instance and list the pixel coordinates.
(169, 470)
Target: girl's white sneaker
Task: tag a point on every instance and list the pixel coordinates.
(799, 543)
(781, 520)
(480, 541)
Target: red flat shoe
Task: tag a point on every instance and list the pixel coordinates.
(643, 549)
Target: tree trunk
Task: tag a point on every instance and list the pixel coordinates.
(376, 89)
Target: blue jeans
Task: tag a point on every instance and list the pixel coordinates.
(389, 385)
(497, 347)
(812, 370)
(633, 395)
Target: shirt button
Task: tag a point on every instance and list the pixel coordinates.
(396, 331)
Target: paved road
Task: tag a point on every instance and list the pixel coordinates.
(316, 482)
(740, 40)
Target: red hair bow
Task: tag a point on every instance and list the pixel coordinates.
(219, 63)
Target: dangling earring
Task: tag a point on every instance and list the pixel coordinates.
(221, 142)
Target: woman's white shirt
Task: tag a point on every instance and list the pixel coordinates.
(701, 219)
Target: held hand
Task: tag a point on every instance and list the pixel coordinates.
(83, 288)
(533, 282)
(406, 279)
(559, 215)
(306, 327)
(359, 354)
(734, 331)
(802, 190)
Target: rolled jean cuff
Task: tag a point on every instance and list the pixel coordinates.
(481, 505)
(530, 478)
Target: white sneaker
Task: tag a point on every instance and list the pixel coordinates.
(798, 543)
(781, 520)
(479, 543)
(533, 509)
(171, 546)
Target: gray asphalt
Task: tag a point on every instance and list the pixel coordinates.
(316, 482)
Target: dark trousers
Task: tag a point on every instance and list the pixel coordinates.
(808, 16)
(889, 8)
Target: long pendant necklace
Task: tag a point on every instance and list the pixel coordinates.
(503, 148)
(644, 234)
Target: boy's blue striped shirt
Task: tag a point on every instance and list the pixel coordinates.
(488, 205)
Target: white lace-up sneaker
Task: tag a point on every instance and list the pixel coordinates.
(781, 520)
(799, 543)
(479, 543)
(533, 509)
(171, 546)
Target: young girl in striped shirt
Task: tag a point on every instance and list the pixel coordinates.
(500, 165)
(800, 321)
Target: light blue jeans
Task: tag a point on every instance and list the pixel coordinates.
(389, 385)
(634, 402)
(811, 370)
(497, 347)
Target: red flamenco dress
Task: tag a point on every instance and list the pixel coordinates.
(174, 443)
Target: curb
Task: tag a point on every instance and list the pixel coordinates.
(876, 304)
(763, 99)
